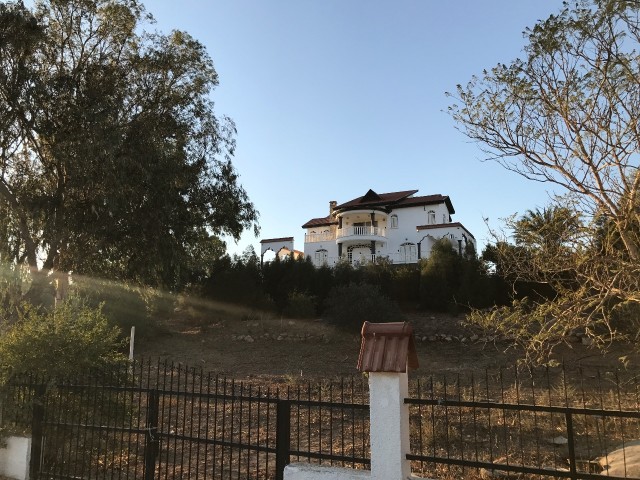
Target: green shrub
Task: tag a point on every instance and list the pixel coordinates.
(300, 305)
(349, 306)
(60, 343)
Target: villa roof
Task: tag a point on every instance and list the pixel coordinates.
(444, 225)
(395, 200)
(386, 201)
(320, 222)
(371, 199)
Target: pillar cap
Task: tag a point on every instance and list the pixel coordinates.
(387, 347)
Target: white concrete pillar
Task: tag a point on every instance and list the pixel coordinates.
(14, 458)
(389, 426)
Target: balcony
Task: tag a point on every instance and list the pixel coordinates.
(319, 237)
(360, 233)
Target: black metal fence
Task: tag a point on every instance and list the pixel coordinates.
(165, 421)
(546, 423)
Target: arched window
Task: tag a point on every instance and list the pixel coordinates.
(321, 256)
(431, 217)
(394, 221)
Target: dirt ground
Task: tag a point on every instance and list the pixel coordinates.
(242, 343)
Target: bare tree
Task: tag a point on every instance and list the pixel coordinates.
(568, 114)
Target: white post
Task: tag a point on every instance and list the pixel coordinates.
(131, 340)
(389, 426)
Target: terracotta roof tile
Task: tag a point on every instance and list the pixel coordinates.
(444, 225)
(387, 347)
(282, 239)
(372, 198)
(320, 222)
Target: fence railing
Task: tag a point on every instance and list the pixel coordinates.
(165, 421)
(161, 421)
(361, 231)
(551, 422)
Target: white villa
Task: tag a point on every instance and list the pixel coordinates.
(398, 225)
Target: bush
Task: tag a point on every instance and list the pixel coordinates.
(61, 343)
(351, 305)
(300, 305)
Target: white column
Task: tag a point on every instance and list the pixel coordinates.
(14, 458)
(389, 426)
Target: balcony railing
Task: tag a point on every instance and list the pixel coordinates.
(365, 231)
(319, 237)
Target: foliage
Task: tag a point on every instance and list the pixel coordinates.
(567, 115)
(300, 305)
(58, 344)
(449, 281)
(349, 306)
(236, 280)
(112, 160)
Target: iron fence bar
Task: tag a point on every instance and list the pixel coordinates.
(283, 436)
(549, 472)
(152, 442)
(571, 446)
(524, 406)
(37, 430)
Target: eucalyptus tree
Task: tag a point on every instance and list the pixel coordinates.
(567, 115)
(112, 159)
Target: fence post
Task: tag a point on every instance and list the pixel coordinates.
(283, 436)
(152, 441)
(37, 421)
(571, 445)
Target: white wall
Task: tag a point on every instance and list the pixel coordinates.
(305, 471)
(14, 458)
(408, 219)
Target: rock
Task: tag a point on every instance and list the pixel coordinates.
(448, 338)
(586, 341)
(249, 338)
(473, 338)
(572, 339)
(279, 337)
(424, 339)
(433, 338)
(560, 440)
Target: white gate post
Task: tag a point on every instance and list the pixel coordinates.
(389, 426)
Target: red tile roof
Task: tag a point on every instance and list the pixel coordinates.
(371, 198)
(282, 239)
(390, 200)
(387, 347)
(444, 225)
(320, 222)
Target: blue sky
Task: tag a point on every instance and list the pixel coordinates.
(333, 97)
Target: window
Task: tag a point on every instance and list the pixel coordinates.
(431, 217)
(394, 221)
(408, 253)
(321, 257)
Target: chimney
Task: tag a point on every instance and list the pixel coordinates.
(332, 205)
